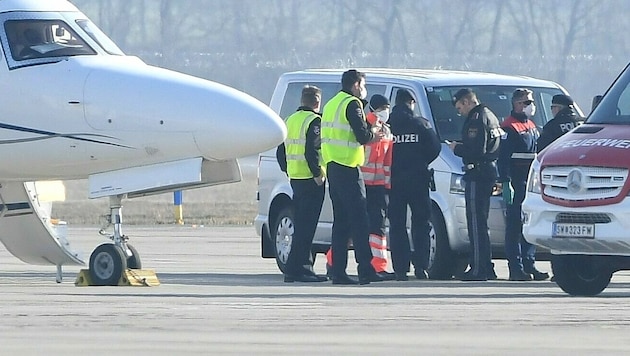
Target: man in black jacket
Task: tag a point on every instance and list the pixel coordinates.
(564, 120)
(479, 149)
(344, 132)
(415, 146)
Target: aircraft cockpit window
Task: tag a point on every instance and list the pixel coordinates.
(35, 39)
(99, 37)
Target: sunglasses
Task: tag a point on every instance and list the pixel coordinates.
(526, 102)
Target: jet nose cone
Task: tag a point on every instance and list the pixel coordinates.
(150, 105)
(240, 126)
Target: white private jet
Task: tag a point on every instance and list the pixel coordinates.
(72, 106)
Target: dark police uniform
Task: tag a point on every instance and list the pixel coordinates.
(308, 198)
(481, 135)
(415, 146)
(564, 121)
(516, 152)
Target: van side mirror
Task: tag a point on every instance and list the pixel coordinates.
(60, 32)
(596, 100)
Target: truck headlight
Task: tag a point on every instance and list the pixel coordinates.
(533, 180)
(457, 184)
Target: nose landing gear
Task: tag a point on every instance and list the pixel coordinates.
(116, 263)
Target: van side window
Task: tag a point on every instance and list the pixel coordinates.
(614, 107)
(291, 100)
(447, 123)
(392, 99)
(543, 109)
(374, 89)
(292, 96)
(623, 106)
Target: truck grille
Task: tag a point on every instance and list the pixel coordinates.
(577, 183)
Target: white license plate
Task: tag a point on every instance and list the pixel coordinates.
(573, 230)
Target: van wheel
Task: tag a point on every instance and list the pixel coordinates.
(442, 261)
(282, 231)
(580, 275)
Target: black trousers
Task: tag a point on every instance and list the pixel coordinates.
(412, 193)
(308, 198)
(478, 191)
(377, 208)
(350, 218)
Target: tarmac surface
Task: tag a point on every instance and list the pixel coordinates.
(217, 296)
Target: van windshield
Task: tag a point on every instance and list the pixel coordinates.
(497, 98)
(615, 106)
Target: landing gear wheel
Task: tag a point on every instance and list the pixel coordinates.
(107, 264)
(283, 230)
(133, 262)
(580, 275)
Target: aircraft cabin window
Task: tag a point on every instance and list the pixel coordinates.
(37, 39)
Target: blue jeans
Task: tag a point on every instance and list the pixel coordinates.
(520, 253)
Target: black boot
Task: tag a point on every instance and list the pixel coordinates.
(491, 274)
(520, 275)
(538, 275)
(421, 274)
(344, 280)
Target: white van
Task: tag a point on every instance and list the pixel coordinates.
(433, 91)
(577, 202)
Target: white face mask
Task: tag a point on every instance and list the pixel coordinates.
(383, 115)
(363, 94)
(530, 110)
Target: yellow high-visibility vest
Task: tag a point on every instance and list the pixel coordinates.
(339, 144)
(297, 125)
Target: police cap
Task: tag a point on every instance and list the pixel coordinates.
(403, 96)
(562, 99)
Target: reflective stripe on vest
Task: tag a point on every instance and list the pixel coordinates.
(339, 144)
(523, 155)
(297, 125)
(376, 168)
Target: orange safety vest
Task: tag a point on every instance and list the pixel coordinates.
(378, 159)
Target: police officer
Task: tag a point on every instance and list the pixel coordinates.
(479, 149)
(299, 157)
(516, 152)
(564, 120)
(415, 146)
(344, 132)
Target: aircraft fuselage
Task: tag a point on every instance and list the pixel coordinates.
(73, 104)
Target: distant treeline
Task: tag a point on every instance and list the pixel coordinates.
(581, 44)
